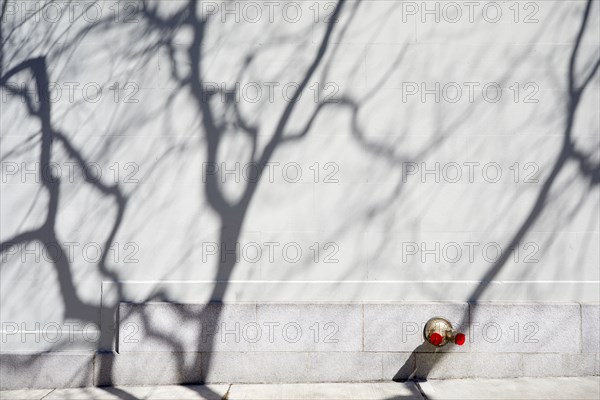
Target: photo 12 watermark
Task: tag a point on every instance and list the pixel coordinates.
(272, 172)
(488, 332)
(469, 92)
(270, 92)
(126, 172)
(270, 332)
(452, 12)
(71, 251)
(526, 172)
(74, 92)
(271, 252)
(49, 332)
(82, 12)
(471, 252)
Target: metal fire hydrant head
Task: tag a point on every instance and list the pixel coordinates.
(439, 332)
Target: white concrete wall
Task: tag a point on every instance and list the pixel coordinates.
(436, 145)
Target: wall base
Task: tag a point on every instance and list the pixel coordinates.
(163, 343)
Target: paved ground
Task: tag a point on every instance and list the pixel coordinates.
(521, 388)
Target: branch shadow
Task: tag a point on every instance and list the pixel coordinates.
(216, 126)
(569, 152)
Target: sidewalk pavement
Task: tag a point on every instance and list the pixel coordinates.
(518, 388)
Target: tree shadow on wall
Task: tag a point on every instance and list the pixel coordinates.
(570, 152)
(219, 123)
(214, 129)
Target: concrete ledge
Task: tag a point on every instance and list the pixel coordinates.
(395, 327)
(56, 370)
(160, 343)
(590, 327)
(45, 370)
(286, 367)
(399, 327)
(450, 366)
(155, 327)
(111, 369)
(544, 365)
(304, 367)
(528, 327)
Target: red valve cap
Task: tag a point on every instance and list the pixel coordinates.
(460, 339)
(436, 339)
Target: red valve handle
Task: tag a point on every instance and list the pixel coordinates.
(436, 339)
(459, 339)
